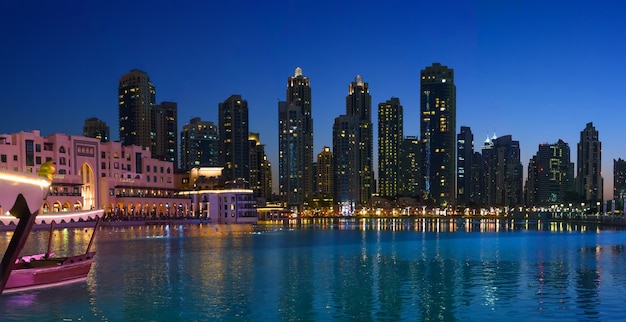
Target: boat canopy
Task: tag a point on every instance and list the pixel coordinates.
(57, 217)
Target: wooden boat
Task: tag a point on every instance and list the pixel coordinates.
(44, 270)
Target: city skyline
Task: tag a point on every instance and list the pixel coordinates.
(538, 75)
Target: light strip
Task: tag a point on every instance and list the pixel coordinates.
(24, 179)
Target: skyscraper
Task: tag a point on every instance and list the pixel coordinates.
(325, 172)
(550, 175)
(465, 152)
(438, 133)
(359, 104)
(233, 139)
(95, 128)
(346, 176)
(299, 92)
(198, 144)
(619, 182)
(410, 165)
(390, 138)
(258, 171)
(165, 132)
(137, 98)
(589, 181)
(291, 163)
(503, 172)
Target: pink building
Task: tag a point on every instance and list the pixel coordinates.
(123, 180)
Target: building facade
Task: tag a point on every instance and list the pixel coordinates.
(438, 134)
(233, 139)
(346, 176)
(124, 180)
(390, 139)
(619, 182)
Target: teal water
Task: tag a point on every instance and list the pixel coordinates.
(367, 270)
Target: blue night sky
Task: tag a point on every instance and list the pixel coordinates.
(538, 70)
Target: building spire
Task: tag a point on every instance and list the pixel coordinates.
(298, 72)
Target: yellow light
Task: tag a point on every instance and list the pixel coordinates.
(23, 179)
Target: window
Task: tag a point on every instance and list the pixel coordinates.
(3, 158)
(103, 166)
(161, 169)
(148, 178)
(15, 158)
(37, 147)
(37, 160)
(147, 168)
(62, 161)
(103, 155)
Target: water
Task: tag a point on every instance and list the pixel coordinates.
(368, 270)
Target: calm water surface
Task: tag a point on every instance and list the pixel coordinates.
(366, 270)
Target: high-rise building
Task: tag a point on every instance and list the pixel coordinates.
(550, 175)
(503, 172)
(589, 181)
(619, 182)
(233, 139)
(465, 153)
(137, 99)
(165, 132)
(410, 167)
(299, 92)
(325, 172)
(260, 183)
(198, 144)
(390, 139)
(346, 176)
(95, 128)
(359, 104)
(291, 161)
(438, 133)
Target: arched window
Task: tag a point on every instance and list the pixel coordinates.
(62, 171)
(62, 160)
(62, 149)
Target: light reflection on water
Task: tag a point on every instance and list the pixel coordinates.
(333, 269)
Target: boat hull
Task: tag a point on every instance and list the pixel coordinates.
(48, 273)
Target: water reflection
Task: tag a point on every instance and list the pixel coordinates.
(332, 269)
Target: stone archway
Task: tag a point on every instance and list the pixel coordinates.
(89, 186)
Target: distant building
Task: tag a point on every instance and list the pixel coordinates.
(260, 179)
(550, 175)
(299, 92)
(95, 128)
(219, 204)
(165, 130)
(465, 152)
(137, 99)
(390, 138)
(198, 144)
(438, 133)
(619, 182)
(589, 181)
(233, 139)
(325, 172)
(410, 167)
(503, 172)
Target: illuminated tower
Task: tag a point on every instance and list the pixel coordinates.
(299, 92)
(359, 105)
(390, 138)
(346, 176)
(325, 172)
(137, 99)
(589, 181)
(438, 133)
(410, 165)
(165, 132)
(465, 151)
(234, 148)
(619, 182)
